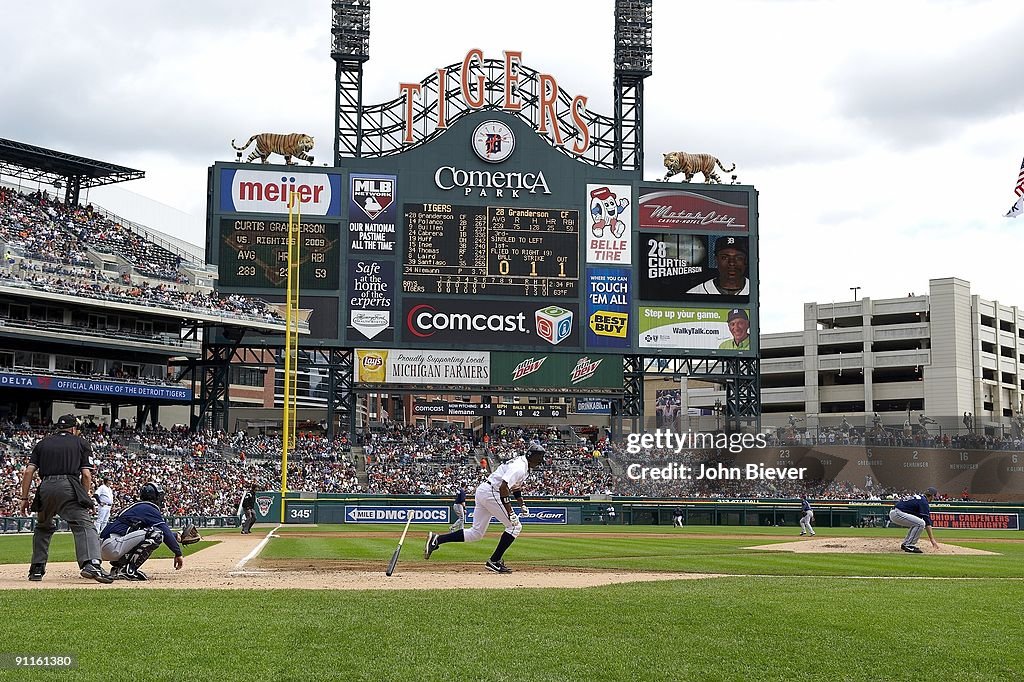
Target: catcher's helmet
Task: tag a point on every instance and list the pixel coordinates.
(152, 492)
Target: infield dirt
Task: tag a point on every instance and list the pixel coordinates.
(222, 566)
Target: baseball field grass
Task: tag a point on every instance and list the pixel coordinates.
(777, 617)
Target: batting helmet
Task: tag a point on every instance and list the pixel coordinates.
(152, 492)
(536, 451)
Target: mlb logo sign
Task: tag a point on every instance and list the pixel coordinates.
(554, 324)
(373, 195)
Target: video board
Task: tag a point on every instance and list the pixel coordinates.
(490, 238)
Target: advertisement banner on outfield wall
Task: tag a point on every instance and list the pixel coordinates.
(982, 521)
(244, 190)
(535, 515)
(384, 514)
(379, 366)
(725, 329)
(556, 370)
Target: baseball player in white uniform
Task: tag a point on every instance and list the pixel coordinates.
(494, 498)
(104, 499)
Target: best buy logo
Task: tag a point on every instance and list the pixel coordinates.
(606, 323)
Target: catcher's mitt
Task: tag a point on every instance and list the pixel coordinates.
(189, 535)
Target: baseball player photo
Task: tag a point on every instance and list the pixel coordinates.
(494, 498)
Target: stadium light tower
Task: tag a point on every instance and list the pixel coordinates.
(633, 61)
(350, 47)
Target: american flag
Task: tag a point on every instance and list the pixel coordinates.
(1018, 207)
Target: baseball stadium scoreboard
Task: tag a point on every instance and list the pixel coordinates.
(489, 236)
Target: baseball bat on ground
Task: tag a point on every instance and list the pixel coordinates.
(398, 550)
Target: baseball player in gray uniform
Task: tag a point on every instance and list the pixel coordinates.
(459, 509)
(806, 517)
(494, 498)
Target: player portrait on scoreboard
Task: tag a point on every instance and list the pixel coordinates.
(681, 267)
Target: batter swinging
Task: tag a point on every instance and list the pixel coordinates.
(493, 498)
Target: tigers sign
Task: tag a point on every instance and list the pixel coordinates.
(472, 89)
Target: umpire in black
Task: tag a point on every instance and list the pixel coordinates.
(64, 463)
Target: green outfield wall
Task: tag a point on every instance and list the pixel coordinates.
(355, 508)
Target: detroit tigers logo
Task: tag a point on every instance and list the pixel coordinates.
(493, 143)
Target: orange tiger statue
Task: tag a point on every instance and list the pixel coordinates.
(691, 164)
(293, 144)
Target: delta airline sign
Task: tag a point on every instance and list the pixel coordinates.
(471, 89)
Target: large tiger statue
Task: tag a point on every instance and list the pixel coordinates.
(691, 164)
(293, 144)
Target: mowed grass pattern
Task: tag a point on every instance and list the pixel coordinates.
(788, 627)
(716, 629)
(675, 554)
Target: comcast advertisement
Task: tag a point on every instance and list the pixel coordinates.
(462, 322)
(717, 329)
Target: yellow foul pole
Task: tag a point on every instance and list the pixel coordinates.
(291, 340)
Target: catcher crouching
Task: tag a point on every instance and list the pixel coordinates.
(134, 534)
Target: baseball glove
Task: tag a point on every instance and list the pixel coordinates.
(189, 535)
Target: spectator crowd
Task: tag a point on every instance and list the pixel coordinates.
(55, 239)
(205, 473)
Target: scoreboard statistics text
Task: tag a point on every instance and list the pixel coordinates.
(503, 250)
(254, 253)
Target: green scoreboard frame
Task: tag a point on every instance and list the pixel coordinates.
(490, 238)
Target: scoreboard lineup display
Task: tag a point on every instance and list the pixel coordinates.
(489, 237)
(501, 250)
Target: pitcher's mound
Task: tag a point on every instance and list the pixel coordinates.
(819, 545)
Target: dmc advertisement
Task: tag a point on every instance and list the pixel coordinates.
(726, 329)
(372, 213)
(609, 224)
(501, 323)
(371, 293)
(265, 191)
(608, 301)
(378, 366)
(707, 211)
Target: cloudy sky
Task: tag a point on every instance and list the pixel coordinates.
(884, 137)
